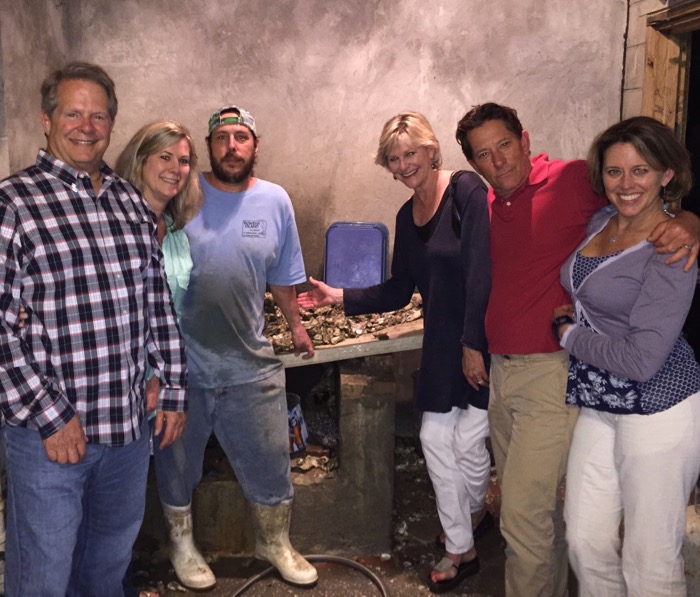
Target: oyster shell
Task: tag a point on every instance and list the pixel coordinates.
(328, 326)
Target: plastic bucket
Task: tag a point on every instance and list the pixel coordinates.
(298, 434)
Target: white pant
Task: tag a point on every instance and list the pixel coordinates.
(641, 468)
(459, 465)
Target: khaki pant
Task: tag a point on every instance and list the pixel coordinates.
(531, 429)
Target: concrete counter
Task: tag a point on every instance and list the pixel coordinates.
(405, 336)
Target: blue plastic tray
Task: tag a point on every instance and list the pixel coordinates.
(356, 254)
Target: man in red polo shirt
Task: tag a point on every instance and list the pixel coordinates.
(539, 211)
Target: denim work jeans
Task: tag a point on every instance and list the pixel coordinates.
(250, 422)
(71, 528)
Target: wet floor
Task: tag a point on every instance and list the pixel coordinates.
(402, 572)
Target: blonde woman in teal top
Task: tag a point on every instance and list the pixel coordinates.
(160, 160)
(178, 263)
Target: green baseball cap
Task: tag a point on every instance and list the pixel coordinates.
(243, 117)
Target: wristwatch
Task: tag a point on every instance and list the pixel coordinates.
(557, 322)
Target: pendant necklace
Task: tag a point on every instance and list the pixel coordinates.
(612, 239)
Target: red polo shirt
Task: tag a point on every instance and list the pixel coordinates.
(532, 233)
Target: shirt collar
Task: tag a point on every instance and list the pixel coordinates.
(67, 174)
(540, 169)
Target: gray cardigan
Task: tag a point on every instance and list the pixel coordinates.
(636, 305)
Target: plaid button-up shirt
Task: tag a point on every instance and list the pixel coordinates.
(89, 272)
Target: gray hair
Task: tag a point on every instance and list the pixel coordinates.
(77, 70)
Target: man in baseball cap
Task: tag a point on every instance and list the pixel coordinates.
(243, 239)
(232, 115)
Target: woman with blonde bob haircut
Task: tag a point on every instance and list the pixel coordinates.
(635, 453)
(160, 161)
(441, 247)
(415, 127)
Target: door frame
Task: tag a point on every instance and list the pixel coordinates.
(666, 63)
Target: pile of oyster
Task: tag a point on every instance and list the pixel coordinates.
(329, 325)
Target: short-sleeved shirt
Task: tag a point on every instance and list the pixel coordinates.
(239, 243)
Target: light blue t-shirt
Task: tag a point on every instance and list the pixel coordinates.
(239, 242)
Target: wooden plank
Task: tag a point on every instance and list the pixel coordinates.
(405, 336)
(661, 77)
(676, 19)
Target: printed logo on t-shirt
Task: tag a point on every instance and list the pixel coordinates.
(254, 228)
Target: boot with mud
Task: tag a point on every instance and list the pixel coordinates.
(190, 566)
(272, 544)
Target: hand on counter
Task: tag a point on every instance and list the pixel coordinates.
(302, 343)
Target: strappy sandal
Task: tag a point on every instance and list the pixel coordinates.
(464, 570)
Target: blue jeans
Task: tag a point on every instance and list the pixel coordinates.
(250, 422)
(71, 528)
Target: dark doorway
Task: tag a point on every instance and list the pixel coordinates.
(692, 202)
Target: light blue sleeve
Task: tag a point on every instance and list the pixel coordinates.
(288, 268)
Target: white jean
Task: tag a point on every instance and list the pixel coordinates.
(459, 465)
(640, 468)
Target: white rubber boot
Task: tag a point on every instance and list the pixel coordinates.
(191, 568)
(272, 544)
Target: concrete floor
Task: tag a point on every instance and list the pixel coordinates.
(402, 574)
(402, 571)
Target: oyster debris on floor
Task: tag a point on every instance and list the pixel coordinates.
(327, 326)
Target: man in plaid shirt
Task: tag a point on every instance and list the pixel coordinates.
(79, 253)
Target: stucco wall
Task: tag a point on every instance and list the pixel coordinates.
(32, 42)
(4, 151)
(322, 76)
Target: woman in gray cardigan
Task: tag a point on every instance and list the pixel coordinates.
(635, 454)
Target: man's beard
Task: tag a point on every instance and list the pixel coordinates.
(218, 170)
